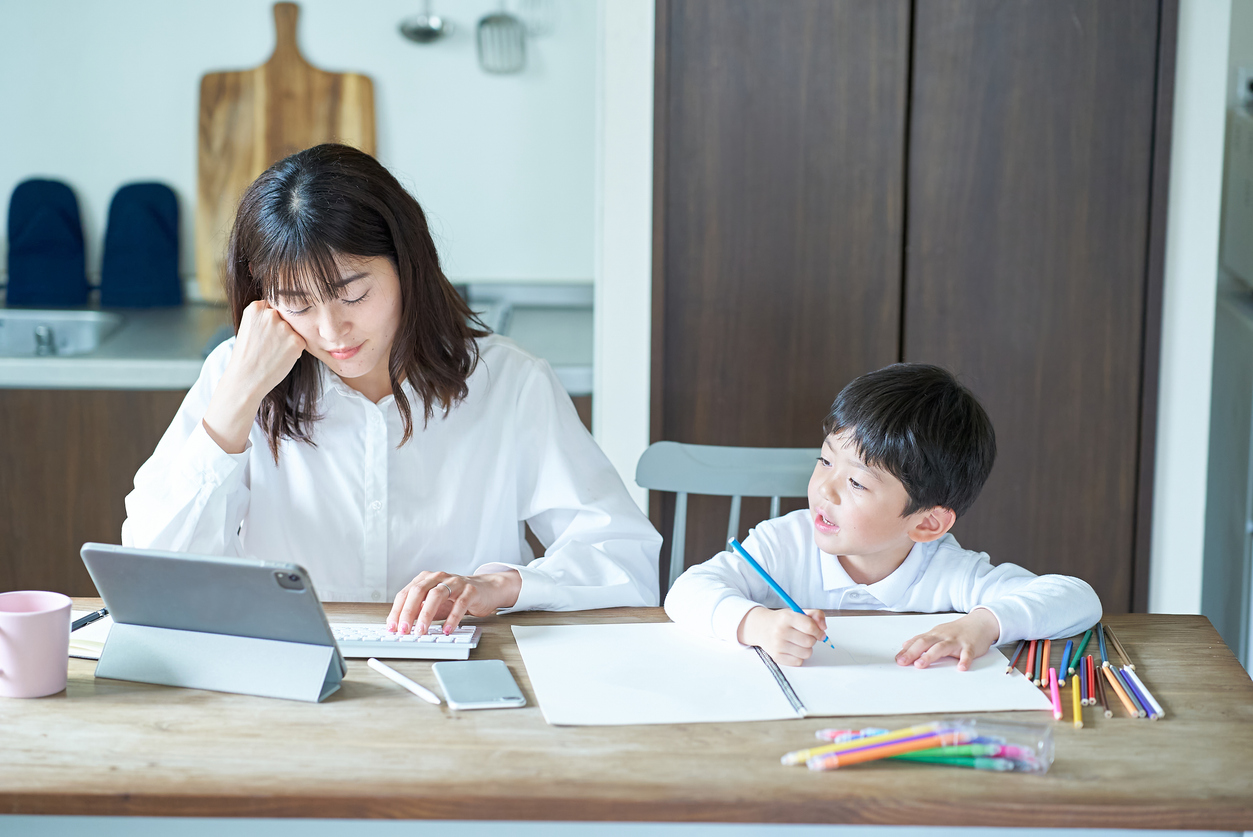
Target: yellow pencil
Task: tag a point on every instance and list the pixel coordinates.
(1074, 702)
(1126, 701)
(802, 756)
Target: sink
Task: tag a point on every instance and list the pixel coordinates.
(29, 333)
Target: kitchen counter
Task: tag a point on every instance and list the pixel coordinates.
(164, 348)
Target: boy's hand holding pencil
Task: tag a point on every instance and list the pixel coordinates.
(788, 637)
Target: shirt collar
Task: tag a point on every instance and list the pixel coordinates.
(888, 591)
(333, 383)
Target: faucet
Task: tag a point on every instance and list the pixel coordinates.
(45, 344)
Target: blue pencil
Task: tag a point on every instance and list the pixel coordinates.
(774, 585)
(1065, 667)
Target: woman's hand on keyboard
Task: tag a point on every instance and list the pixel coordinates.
(433, 596)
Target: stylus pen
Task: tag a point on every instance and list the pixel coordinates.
(84, 621)
(773, 584)
(399, 679)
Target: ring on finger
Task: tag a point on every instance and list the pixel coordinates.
(446, 587)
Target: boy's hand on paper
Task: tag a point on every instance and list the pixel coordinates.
(788, 637)
(967, 639)
(433, 596)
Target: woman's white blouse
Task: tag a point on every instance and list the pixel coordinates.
(364, 514)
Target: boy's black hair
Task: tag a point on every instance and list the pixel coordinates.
(916, 422)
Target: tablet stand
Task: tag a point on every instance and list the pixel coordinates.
(220, 662)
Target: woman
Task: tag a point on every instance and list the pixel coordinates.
(363, 425)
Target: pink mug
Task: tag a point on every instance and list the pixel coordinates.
(34, 643)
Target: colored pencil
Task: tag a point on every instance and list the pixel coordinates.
(1083, 682)
(801, 756)
(1030, 659)
(1091, 679)
(1074, 702)
(1041, 664)
(1126, 701)
(1100, 644)
(831, 761)
(1100, 687)
(1121, 651)
(1142, 710)
(1065, 668)
(1157, 707)
(1014, 660)
(752, 562)
(1083, 643)
(1057, 698)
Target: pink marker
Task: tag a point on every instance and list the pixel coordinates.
(1057, 698)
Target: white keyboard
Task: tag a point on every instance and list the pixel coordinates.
(372, 640)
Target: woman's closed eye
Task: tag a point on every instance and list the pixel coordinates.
(355, 301)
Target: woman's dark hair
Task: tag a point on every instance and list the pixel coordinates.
(334, 201)
(919, 424)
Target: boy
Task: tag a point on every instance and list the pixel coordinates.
(907, 450)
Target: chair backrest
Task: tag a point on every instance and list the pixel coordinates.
(723, 472)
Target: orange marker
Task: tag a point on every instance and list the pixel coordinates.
(944, 739)
(1126, 701)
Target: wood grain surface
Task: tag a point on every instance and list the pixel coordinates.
(67, 461)
(778, 217)
(250, 119)
(1031, 148)
(374, 750)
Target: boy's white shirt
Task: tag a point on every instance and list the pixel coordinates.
(364, 514)
(936, 577)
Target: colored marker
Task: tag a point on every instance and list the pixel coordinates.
(974, 762)
(774, 585)
(801, 756)
(1065, 668)
(1057, 699)
(1083, 643)
(1075, 708)
(944, 738)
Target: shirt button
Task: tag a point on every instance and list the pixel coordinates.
(376, 595)
(376, 505)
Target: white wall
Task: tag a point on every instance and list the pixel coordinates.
(100, 94)
(624, 251)
(1178, 536)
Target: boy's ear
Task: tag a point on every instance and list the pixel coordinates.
(931, 524)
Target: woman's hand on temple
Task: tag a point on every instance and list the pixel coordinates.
(437, 595)
(265, 350)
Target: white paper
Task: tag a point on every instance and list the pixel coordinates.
(645, 673)
(863, 678)
(88, 641)
(660, 673)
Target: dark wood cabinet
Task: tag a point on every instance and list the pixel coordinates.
(67, 461)
(974, 183)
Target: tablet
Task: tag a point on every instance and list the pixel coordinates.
(215, 595)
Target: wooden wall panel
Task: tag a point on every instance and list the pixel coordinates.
(1031, 143)
(67, 461)
(778, 219)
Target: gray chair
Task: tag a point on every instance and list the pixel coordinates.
(722, 472)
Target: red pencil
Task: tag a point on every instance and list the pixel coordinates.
(1030, 659)
(1091, 681)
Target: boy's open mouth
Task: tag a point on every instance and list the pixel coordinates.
(822, 524)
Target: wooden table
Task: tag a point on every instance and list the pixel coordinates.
(107, 747)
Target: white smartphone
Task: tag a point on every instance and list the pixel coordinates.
(478, 684)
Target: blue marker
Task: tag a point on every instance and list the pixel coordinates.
(774, 585)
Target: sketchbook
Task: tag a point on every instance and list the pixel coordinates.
(661, 673)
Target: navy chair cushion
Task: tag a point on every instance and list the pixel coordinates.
(45, 261)
(140, 264)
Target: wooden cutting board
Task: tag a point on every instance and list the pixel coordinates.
(250, 119)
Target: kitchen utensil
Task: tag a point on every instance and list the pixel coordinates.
(249, 119)
(426, 27)
(501, 42)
